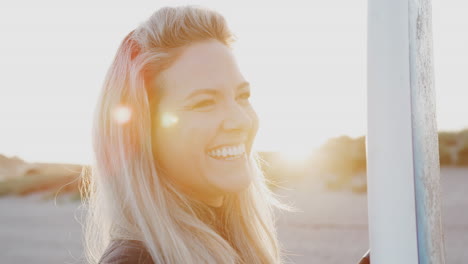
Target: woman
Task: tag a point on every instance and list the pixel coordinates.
(175, 179)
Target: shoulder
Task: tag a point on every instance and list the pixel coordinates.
(126, 252)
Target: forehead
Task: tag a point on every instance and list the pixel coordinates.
(203, 65)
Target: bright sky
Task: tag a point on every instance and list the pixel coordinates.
(305, 61)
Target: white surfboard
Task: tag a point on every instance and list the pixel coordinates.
(402, 144)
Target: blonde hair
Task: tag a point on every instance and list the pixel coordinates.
(126, 196)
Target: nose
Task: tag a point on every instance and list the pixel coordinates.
(237, 118)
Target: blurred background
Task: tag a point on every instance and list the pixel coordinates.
(306, 61)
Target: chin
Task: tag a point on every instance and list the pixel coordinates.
(237, 187)
(237, 184)
(233, 181)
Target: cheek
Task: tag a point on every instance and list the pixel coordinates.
(181, 148)
(255, 121)
(196, 131)
(194, 137)
(175, 159)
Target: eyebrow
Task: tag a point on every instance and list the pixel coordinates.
(214, 91)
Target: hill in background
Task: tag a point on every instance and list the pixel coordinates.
(340, 163)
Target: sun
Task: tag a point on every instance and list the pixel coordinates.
(295, 153)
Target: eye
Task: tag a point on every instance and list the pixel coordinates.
(245, 96)
(204, 103)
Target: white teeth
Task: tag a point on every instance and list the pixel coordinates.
(228, 151)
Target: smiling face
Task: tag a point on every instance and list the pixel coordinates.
(203, 134)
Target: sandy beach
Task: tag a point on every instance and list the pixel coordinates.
(331, 227)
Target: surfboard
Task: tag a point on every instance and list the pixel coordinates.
(403, 170)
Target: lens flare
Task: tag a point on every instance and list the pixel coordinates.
(168, 119)
(122, 114)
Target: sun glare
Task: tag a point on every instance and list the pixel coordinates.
(168, 119)
(296, 154)
(122, 114)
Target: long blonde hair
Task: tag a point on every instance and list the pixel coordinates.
(126, 196)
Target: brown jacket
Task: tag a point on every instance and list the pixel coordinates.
(133, 251)
(126, 252)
